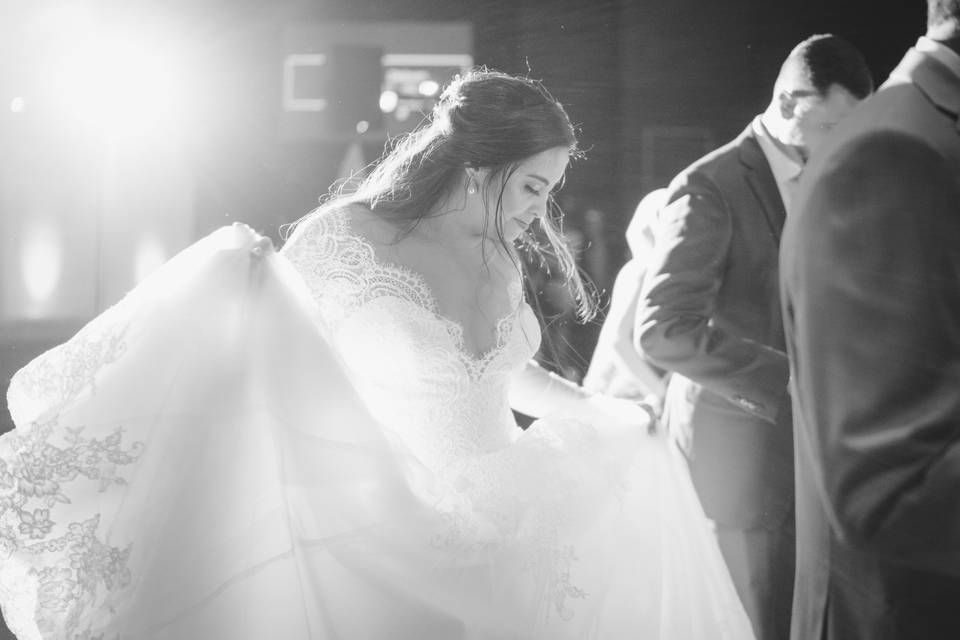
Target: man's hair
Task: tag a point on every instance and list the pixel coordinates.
(826, 59)
(941, 11)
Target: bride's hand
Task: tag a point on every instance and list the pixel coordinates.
(259, 245)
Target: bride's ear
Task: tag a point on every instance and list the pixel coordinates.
(473, 180)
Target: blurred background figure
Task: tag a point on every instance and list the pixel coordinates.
(617, 367)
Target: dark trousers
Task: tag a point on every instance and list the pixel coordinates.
(761, 563)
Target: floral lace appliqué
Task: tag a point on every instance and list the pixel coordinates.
(37, 480)
(67, 370)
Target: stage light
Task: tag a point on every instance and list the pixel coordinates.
(113, 80)
(388, 101)
(122, 87)
(150, 255)
(363, 126)
(61, 25)
(41, 258)
(429, 88)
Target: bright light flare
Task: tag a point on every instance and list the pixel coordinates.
(150, 255)
(61, 24)
(122, 86)
(115, 80)
(428, 88)
(41, 260)
(388, 101)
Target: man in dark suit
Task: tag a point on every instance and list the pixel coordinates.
(871, 292)
(710, 313)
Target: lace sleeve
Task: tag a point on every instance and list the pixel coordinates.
(342, 271)
(332, 267)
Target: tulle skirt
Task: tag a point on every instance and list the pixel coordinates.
(195, 464)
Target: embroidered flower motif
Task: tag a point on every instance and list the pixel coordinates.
(57, 588)
(34, 478)
(38, 473)
(68, 370)
(37, 524)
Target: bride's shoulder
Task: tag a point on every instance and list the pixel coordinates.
(370, 226)
(343, 221)
(322, 221)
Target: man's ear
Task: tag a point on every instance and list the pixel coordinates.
(787, 104)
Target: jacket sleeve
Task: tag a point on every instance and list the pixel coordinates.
(876, 309)
(675, 321)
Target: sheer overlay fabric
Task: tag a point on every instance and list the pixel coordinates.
(299, 446)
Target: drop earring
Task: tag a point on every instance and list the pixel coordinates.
(472, 187)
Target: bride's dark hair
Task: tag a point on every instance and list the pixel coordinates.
(483, 119)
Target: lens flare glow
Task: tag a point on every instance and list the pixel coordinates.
(116, 80)
(150, 255)
(121, 85)
(388, 101)
(41, 260)
(429, 88)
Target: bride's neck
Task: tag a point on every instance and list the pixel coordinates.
(455, 225)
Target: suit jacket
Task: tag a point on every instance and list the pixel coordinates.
(871, 292)
(710, 313)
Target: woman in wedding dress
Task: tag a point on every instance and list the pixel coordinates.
(319, 443)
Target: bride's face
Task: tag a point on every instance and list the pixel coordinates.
(525, 191)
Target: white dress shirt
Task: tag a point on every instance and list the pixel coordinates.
(786, 169)
(941, 52)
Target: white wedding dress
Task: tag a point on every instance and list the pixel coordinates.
(298, 446)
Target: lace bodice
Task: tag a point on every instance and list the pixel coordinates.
(409, 361)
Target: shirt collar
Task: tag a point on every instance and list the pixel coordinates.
(940, 52)
(784, 167)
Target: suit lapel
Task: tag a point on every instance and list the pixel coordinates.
(761, 181)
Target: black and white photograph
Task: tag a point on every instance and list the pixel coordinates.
(479, 320)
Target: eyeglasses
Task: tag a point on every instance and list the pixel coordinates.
(803, 93)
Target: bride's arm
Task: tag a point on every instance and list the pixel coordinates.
(535, 392)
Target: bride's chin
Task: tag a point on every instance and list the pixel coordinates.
(518, 229)
(514, 235)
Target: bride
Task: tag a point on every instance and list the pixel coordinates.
(319, 443)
